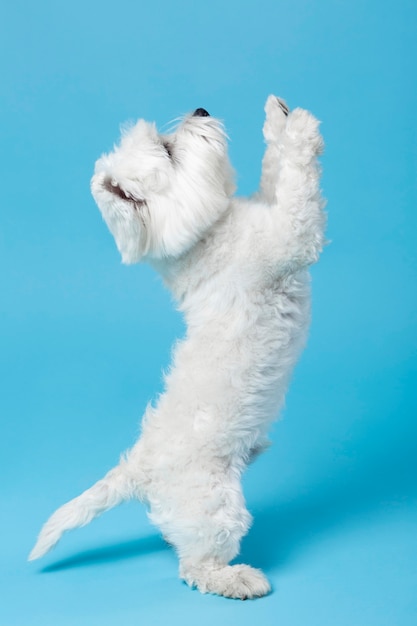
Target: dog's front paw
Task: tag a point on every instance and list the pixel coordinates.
(231, 581)
(277, 112)
(303, 129)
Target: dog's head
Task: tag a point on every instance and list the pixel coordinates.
(159, 194)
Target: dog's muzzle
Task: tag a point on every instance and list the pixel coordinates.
(201, 113)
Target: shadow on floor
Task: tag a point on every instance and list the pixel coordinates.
(107, 554)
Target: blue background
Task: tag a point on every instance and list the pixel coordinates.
(84, 339)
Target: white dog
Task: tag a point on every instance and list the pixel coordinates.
(238, 270)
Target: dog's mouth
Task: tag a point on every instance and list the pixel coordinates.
(113, 187)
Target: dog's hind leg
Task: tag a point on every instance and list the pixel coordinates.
(210, 571)
(107, 493)
(231, 581)
(206, 528)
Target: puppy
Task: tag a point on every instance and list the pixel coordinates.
(238, 269)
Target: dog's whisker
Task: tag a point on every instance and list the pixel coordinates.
(170, 126)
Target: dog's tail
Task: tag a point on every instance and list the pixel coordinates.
(107, 493)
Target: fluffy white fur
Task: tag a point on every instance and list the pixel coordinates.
(238, 271)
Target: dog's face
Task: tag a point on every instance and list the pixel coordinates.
(159, 194)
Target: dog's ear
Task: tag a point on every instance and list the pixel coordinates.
(130, 233)
(128, 221)
(139, 131)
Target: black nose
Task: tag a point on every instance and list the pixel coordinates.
(201, 113)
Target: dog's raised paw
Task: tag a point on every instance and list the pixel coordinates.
(282, 105)
(277, 111)
(303, 128)
(275, 103)
(231, 581)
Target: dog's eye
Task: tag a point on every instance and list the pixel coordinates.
(168, 149)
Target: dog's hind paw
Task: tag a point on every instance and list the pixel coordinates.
(231, 581)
